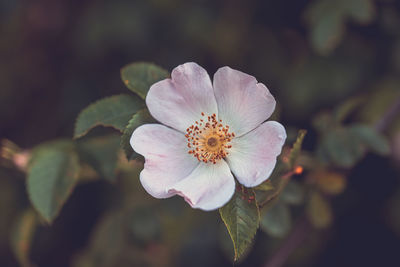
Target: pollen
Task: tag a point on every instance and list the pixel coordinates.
(208, 139)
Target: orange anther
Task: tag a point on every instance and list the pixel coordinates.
(200, 134)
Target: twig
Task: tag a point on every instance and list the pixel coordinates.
(388, 116)
(285, 179)
(303, 227)
(299, 233)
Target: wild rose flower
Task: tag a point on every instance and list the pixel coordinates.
(211, 134)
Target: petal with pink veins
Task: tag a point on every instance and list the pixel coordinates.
(178, 102)
(167, 159)
(243, 104)
(252, 157)
(208, 187)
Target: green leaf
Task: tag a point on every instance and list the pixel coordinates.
(59, 144)
(319, 211)
(276, 221)
(102, 154)
(22, 236)
(327, 24)
(141, 117)
(114, 111)
(52, 176)
(293, 193)
(362, 11)
(328, 33)
(375, 141)
(345, 146)
(295, 152)
(138, 77)
(225, 244)
(341, 147)
(327, 20)
(329, 182)
(348, 107)
(241, 217)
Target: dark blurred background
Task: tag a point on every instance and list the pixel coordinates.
(57, 56)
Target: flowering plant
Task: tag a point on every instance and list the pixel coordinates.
(214, 130)
(212, 145)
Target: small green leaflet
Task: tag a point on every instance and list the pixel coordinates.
(242, 218)
(114, 111)
(139, 76)
(265, 186)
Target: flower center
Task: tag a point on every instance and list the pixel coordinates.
(212, 141)
(208, 139)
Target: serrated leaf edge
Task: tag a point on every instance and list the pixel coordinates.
(125, 133)
(49, 221)
(76, 136)
(236, 257)
(140, 62)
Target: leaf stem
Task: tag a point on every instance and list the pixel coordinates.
(285, 179)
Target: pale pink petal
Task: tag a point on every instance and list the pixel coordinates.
(166, 155)
(243, 104)
(253, 156)
(178, 102)
(208, 187)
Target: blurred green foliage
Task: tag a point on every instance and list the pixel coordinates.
(333, 67)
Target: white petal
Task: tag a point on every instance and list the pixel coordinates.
(178, 102)
(166, 155)
(252, 157)
(208, 187)
(243, 104)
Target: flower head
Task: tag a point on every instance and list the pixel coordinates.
(211, 134)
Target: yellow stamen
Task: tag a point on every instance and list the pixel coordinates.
(208, 140)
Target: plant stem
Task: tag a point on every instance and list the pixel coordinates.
(388, 116)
